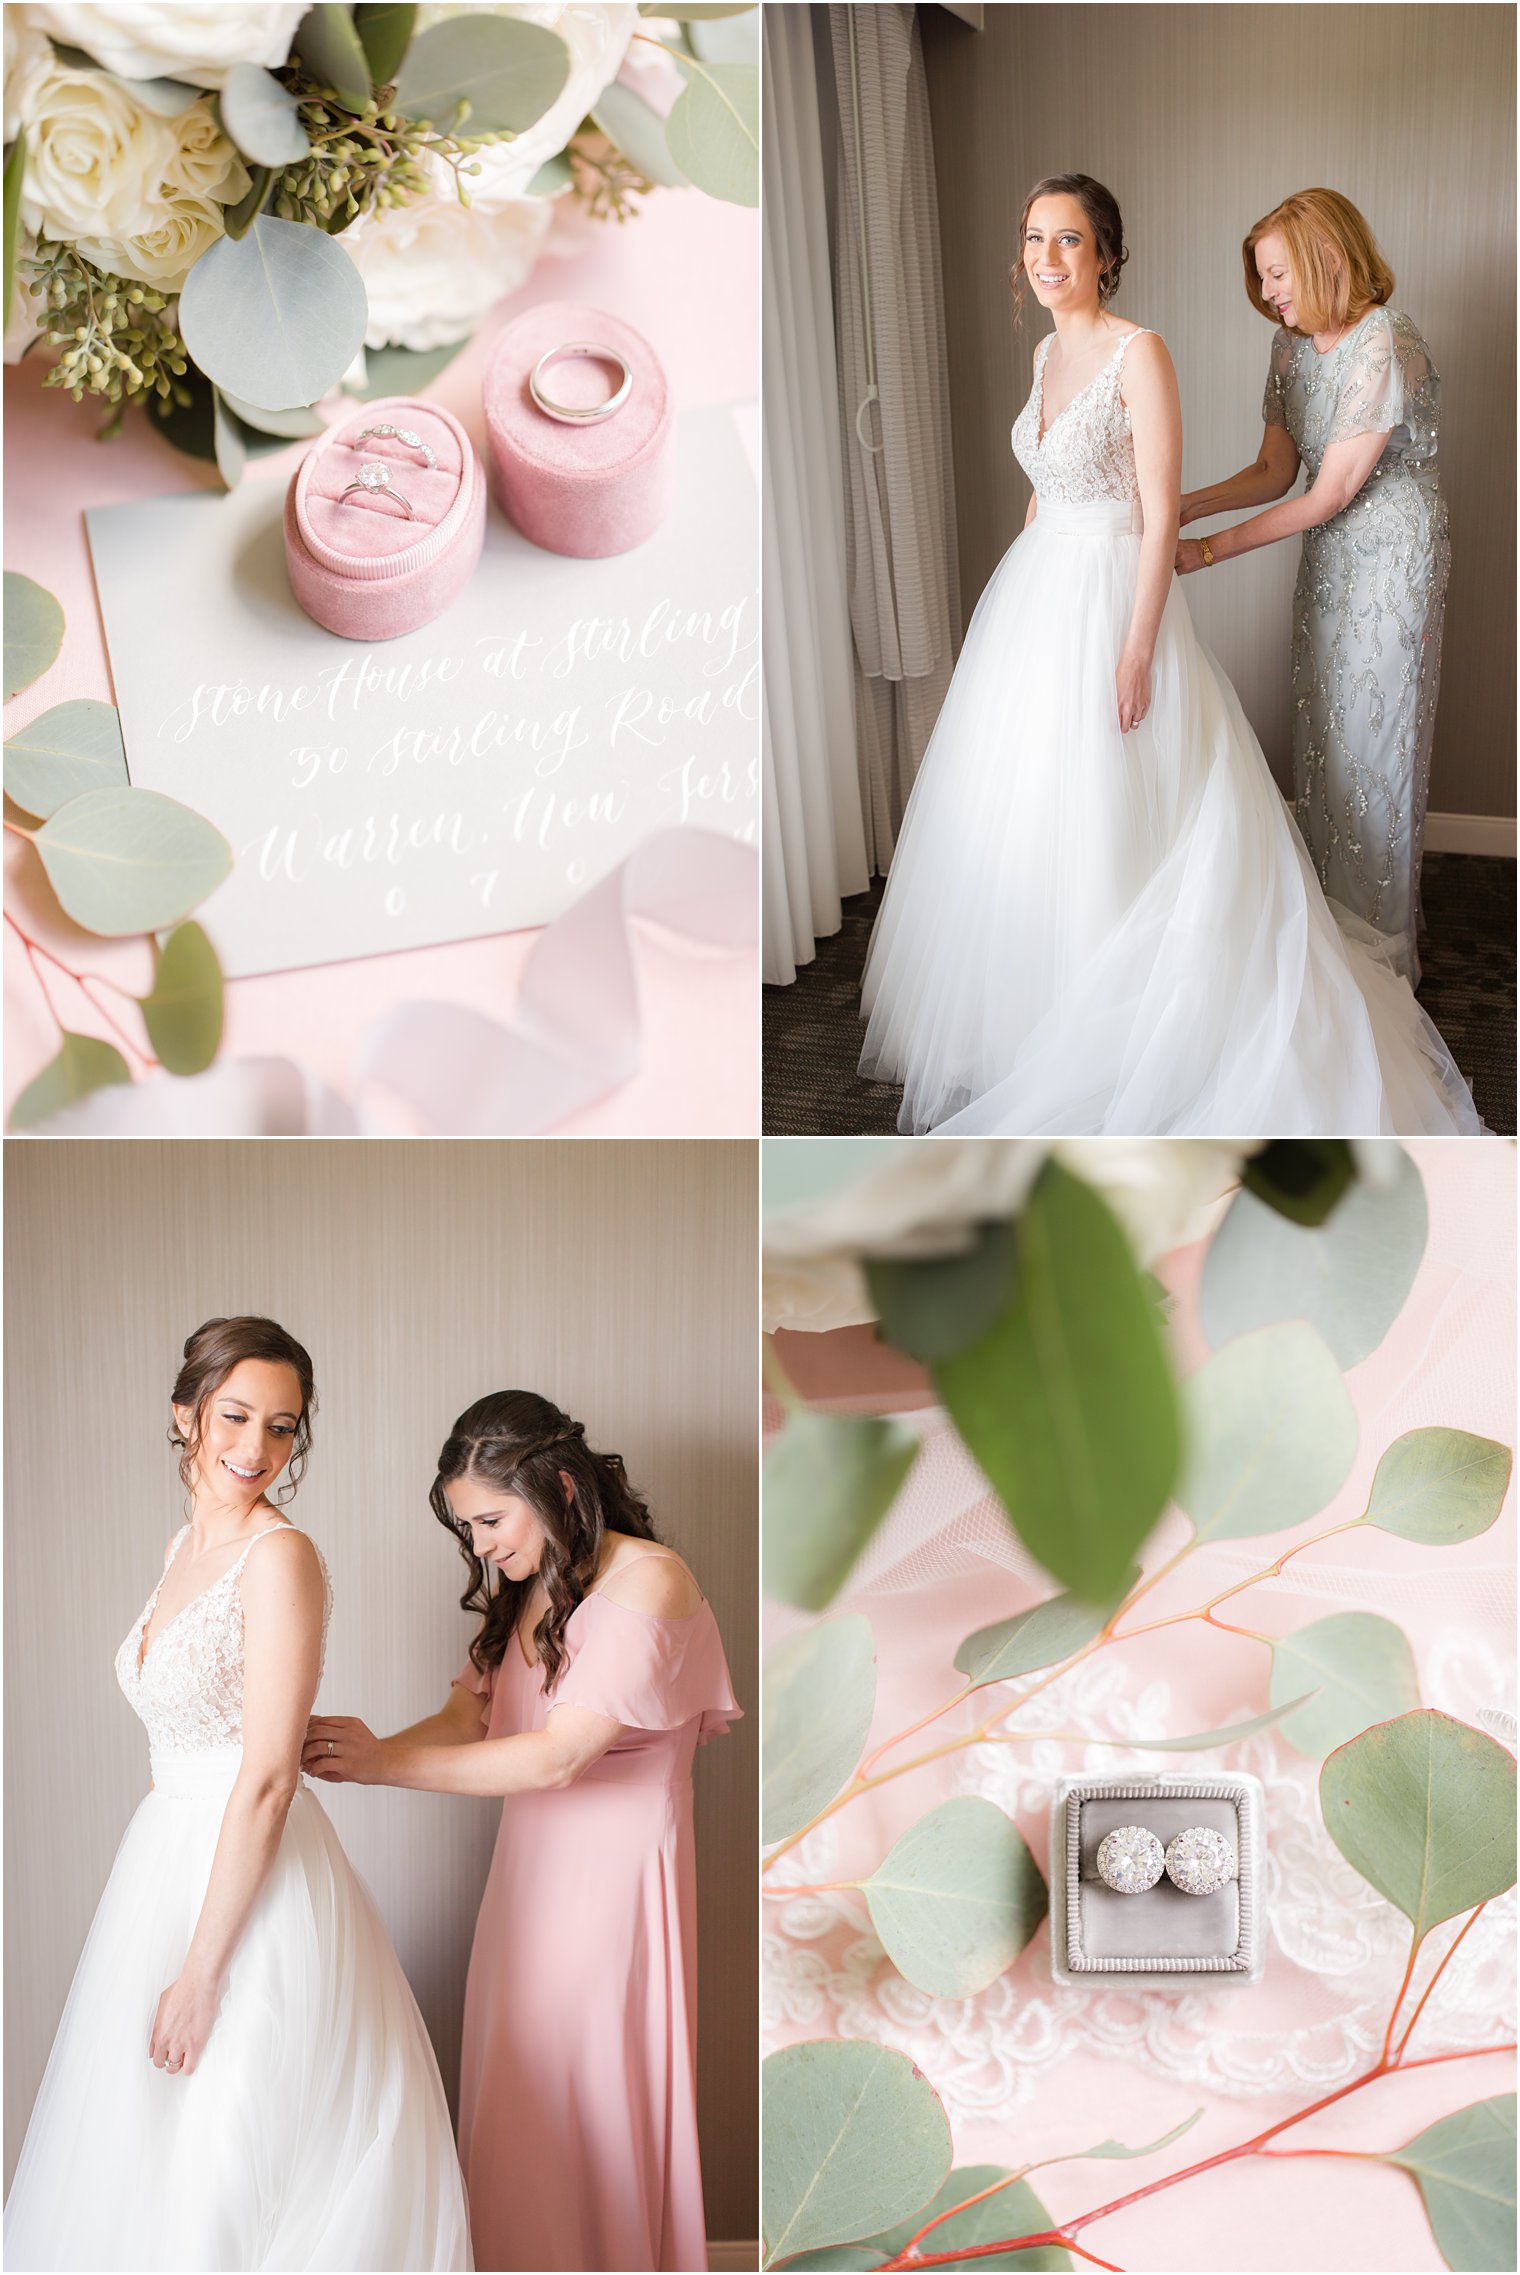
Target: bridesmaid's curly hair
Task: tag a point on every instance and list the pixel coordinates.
(210, 1354)
(519, 1443)
(1107, 223)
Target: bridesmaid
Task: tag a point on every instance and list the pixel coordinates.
(1352, 393)
(596, 1672)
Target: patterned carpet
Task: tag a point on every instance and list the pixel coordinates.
(812, 1029)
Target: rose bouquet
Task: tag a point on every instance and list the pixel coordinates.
(224, 211)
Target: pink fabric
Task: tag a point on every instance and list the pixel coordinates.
(577, 2096)
(586, 490)
(688, 273)
(358, 565)
(1450, 1358)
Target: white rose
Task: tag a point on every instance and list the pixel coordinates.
(197, 40)
(431, 269)
(597, 38)
(164, 253)
(926, 1196)
(27, 56)
(95, 157)
(205, 163)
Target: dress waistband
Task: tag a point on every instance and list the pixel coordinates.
(1101, 517)
(208, 1774)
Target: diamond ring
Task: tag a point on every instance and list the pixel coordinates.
(579, 414)
(408, 435)
(375, 476)
(1200, 1861)
(1130, 1860)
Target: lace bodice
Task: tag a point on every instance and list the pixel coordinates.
(189, 1689)
(1088, 454)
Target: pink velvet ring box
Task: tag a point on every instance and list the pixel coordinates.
(591, 489)
(359, 565)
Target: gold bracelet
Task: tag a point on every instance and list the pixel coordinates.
(1208, 553)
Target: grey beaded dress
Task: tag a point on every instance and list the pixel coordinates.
(1367, 616)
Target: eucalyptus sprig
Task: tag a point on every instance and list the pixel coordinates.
(116, 339)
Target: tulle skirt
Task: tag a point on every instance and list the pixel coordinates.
(313, 2133)
(1090, 932)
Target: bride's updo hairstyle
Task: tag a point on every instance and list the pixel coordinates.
(211, 1353)
(1338, 272)
(1104, 218)
(518, 1443)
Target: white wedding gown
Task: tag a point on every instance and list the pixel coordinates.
(1090, 932)
(313, 2133)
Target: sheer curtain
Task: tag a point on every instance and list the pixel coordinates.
(814, 839)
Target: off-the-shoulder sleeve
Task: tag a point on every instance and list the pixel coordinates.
(1387, 369)
(647, 1673)
(470, 1678)
(1274, 406)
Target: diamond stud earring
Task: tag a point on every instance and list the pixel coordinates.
(1200, 1861)
(1130, 1860)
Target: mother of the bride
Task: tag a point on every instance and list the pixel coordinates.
(1352, 394)
(596, 1671)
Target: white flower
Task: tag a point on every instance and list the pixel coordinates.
(597, 38)
(431, 269)
(27, 57)
(95, 156)
(196, 40)
(926, 1196)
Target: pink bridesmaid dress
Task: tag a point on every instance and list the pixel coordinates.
(577, 2102)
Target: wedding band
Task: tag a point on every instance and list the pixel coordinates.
(375, 476)
(1130, 1860)
(408, 435)
(575, 414)
(331, 1748)
(1200, 1861)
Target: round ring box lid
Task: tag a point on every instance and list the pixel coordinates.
(360, 566)
(591, 489)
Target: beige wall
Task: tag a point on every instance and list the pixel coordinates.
(1199, 119)
(617, 1278)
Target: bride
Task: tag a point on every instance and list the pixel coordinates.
(1100, 917)
(241, 2078)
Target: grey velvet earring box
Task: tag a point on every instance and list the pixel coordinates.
(1162, 1940)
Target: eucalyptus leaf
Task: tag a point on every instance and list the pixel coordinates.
(1146, 2148)
(1203, 1741)
(238, 219)
(858, 2255)
(854, 2139)
(820, 1689)
(1301, 1178)
(507, 71)
(277, 316)
(554, 175)
(1439, 1486)
(1362, 1668)
(1465, 2167)
(74, 747)
(1068, 1405)
(166, 98)
(82, 1065)
(689, 14)
(124, 861)
(183, 1013)
(713, 131)
(1013, 2211)
(15, 172)
(290, 425)
(231, 450)
(1424, 1808)
(639, 132)
(332, 52)
(402, 371)
(1042, 1636)
(33, 631)
(955, 1900)
(385, 29)
(1348, 1278)
(1271, 1434)
(829, 1481)
(727, 39)
(933, 1306)
(260, 116)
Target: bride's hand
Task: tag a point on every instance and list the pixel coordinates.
(342, 1750)
(1132, 684)
(1189, 555)
(182, 2025)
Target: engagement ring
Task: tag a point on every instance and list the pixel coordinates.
(407, 435)
(573, 414)
(375, 476)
